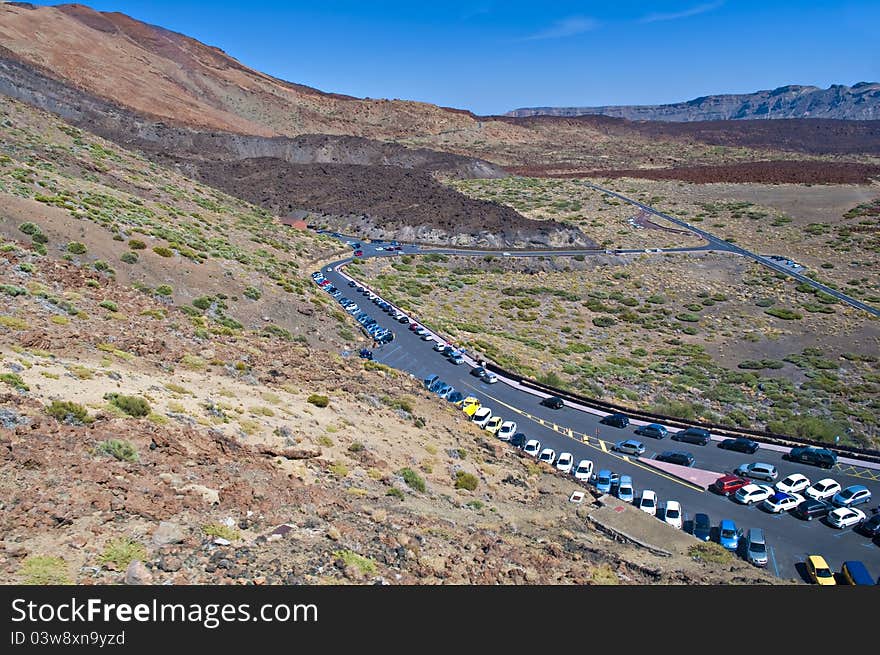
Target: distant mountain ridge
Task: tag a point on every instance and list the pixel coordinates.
(858, 102)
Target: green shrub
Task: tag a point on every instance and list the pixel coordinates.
(40, 239)
(785, 314)
(221, 530)
(162, 251)
(129, 257)
(136, 244)
(14, 381)
(122, 551)
(121, 450)
(65, 410)
(76, 248)
(318, 400)
(356, 447)
(44, 570)
(29, 228)
(203, 302)
(109, 304)
(13, 290)
(396, 493)
(687, 317)
(102, 266)
(413, 480)
(603, 321)
(710, 552)
(253, 293)
(363, 564)
(26, 268)
(764, 302)
(131, 405)
(164, 290)
(467, 481)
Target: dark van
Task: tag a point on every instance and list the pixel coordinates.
(697, 436)
(854, 572)
(812, 509)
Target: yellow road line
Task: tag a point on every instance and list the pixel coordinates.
(602, 445)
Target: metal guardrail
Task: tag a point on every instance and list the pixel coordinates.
(714, 428)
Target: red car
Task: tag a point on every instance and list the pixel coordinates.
(358, 253)
(728, 484)
(413, 327)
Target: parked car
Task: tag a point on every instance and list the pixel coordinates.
(553, 402)
(825, 488)
(676, 457)
(469, 400)
(702, 528)
(728, 484)
(565, 462)
(603, 481)
(728, 535)
(648, 502)
(616, 420)
(812, 455)
(477, 371)
(782, 502)
(489, 377)
(812, 509)
(532, 447)
(518, 440)
(697, 436)
(629, 447)
(455, 397)
(506, 431)
(439, 346)
(672, 513)
(870, 527)
(759, 470)
(845, 517)
(853, 495)
(654, 430)
(753, 493)
(584, 470)
(493, 425)
(740, 445)
(793, 484)
(625, 489)
(431, 379)
(456, 359)
(482, 416)
(547, 455)
(855, 572)
(756, 547)
(819, 571)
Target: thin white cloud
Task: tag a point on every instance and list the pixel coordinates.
(567, 27)
(687, 13)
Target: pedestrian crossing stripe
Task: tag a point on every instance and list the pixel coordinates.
(603, 446)
(863, 473)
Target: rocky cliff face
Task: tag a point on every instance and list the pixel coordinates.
(859, 102)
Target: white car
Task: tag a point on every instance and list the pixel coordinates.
(793, 484)
(648, 502)
(532, 447)
(565, 462)
(782, 501)
(672, 514)
(482, 416)
(823, 489)
(547, 455)
(845, 517)
(753, 493)
(439, 347)
(506, 431)
(489, 378)
(584, 470)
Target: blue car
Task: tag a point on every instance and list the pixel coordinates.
(455, 396)
(431, 379)
(852, 496)
(603, 481)
(728, 535)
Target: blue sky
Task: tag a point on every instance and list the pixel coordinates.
(492, 56)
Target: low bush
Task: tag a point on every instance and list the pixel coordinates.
(164, 290)
(129, 257)
(76, 248)
(221, 530)
(44, 570)
(67, 411)
(318, 400)
(109, 304)
(14, 381)
(136, 244)
(122, 450)
(131, 405)
(413, 480)
(122, 551)
(784, 314)
(467, 481)
(253, 293)
(162, 251)
(603, 321)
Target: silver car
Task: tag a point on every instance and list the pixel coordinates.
(756, 547)
(629, 447)
(758, 470)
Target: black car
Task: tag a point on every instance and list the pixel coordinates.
(740, 445)
(812, 509)
(810, 455)
(871, 527)
(697, 436)
(676, 457)
(518, 440)
(403, 319)
(553, 402)
(478, 371)
(702, 529)
(351, 284)
(616, 420)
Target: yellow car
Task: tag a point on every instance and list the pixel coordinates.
(819, 570)
(471, 409)
(494, 424)
(464, 402)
